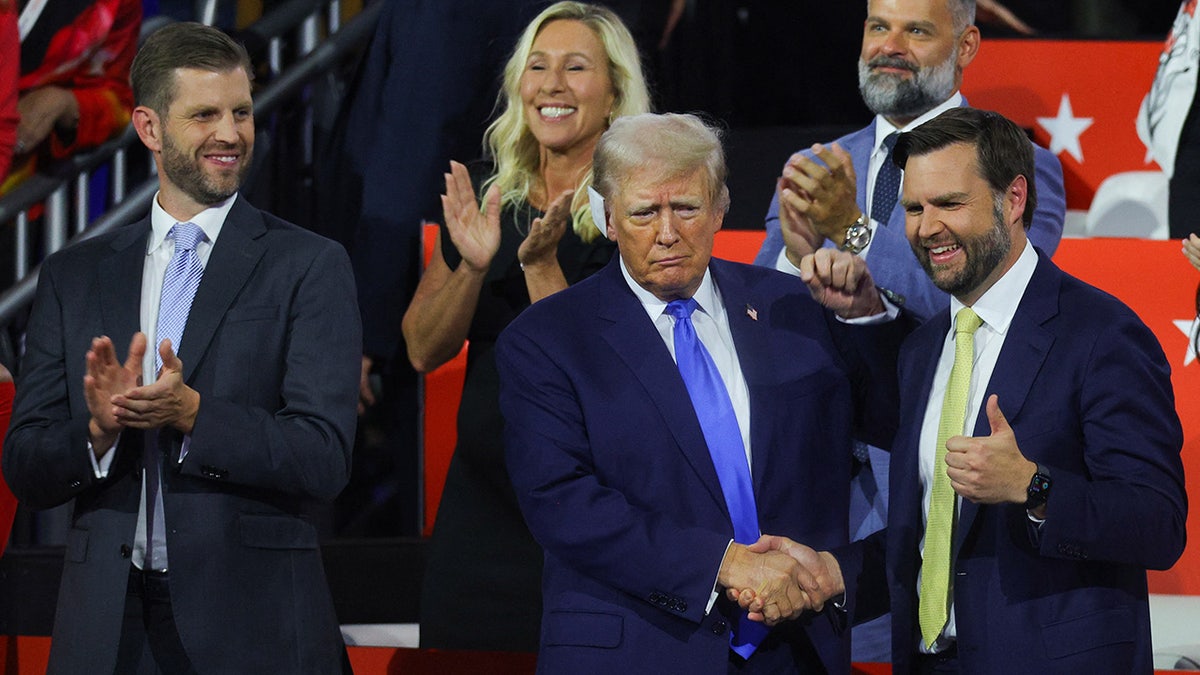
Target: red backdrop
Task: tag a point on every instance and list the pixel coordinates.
(1104, 81)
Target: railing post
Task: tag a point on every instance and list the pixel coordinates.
(21, 247)
(308, 34)
(118, 177)
(81, 201)
(54, 221)
(275, 56)
(206, 12)
(334, 16)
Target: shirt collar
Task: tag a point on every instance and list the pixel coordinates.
(705, 296)
(884, 128)
(209, 220)
(999, 303)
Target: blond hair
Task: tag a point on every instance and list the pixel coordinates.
(508, 140)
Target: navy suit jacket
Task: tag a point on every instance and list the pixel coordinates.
(616, 483)
(272, 344)
(1087, 390)
(890, 258)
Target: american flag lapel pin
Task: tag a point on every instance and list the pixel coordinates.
(751, 312)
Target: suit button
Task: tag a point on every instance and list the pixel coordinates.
(76, 483)
(126, 551)
(718, 627)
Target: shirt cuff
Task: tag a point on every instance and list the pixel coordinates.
(784, 265)
(890, 313)
(712, 597)
(102, 465)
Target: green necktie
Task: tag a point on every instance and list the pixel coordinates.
(939, 527)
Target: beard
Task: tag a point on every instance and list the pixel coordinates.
(188, 175)
(984, 252)
(893, 96)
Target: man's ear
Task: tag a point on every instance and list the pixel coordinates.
(968, 47)
(148, 126)
(1017, 196)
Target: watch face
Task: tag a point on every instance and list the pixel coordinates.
(1038, 490)
(857, 238)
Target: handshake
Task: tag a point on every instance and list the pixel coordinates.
(776, 579)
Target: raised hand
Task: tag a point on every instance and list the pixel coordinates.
(105, 378)
(823, 191)
(1191, 249)
(167, 402)
(800, 238)
(841, 281)
(541, 244)
(475, 233)
(989, 469)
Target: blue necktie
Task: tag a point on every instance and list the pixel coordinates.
(180, 282)
(887, 184)
(724, 438)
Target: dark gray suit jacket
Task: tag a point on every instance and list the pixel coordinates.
(272, 345)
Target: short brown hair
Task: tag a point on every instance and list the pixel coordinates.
(181, 45)
(1002, 148)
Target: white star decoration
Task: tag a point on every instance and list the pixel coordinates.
(1065, 129)
(1188, 327)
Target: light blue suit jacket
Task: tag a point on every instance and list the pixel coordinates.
(890, 258)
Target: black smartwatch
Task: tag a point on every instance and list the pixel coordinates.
(1039, 489)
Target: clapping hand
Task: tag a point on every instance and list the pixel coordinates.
(475, 233)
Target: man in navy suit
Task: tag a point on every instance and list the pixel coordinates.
(612, 464)
(1065, 471)
(910, 69)
(248, 422)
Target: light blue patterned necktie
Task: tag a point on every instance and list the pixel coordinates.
(180, 282)
(719, 424)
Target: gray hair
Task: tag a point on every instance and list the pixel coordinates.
(679, 144)
(962, 13)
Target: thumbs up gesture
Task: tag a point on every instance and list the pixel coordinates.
(989, 469)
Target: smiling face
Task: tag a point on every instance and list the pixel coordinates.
(963, 235)
(566, 88)
(205, 140)
(911, 59)
(664, 229)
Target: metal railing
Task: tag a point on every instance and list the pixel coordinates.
(296, 24)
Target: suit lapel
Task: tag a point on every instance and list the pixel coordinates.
(638, 344)
(860, 155)
(1025, 349)
(119, 278)
(748, 322)
(233, 258)
(916, 382)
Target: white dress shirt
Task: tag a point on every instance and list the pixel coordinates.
(712, 327)
(996, 307)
